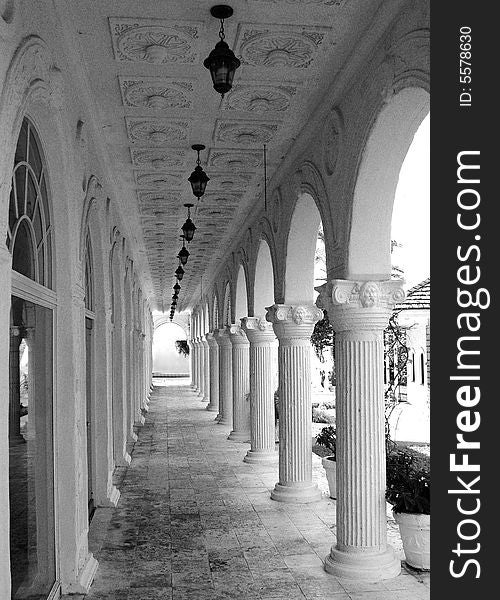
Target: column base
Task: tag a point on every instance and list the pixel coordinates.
(124, 460)
(218, 417)
(212, 408)
(296, 493)
(225, 421)
(85, 578)
(239, 436)
(139, 420)
(262, 457)
(204, 399)
(362, 566)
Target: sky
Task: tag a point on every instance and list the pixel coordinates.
(411, 213)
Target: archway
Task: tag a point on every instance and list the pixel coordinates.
(264, 280)
(301, 248)
(241, 302)
(168, 361)
(226, 310)
(369, 248)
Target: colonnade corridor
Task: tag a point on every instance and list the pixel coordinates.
(196, 522)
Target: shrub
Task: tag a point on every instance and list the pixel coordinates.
(328, 439)
(320, 416)
(182, 347)
(408, 482)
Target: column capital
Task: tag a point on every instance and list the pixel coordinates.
(222, 337)
(212, 342)
(258, 329)
(238, 335)
(293, 321)
(360, 305)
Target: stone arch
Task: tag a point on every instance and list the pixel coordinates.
(368, 252)
(226, 308)
(301, 246)
(263, 288)
(215, 311)
(241, 295)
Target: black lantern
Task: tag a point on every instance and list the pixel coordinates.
(183, 253)
(177, 288)
(188, 228)
(179, 273)
(198, 178)
(221, 62)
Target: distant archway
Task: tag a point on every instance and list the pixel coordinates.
(241, 303)
(301, 248)
(264, 280)
(167, 361)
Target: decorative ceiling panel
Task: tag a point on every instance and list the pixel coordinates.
(259, 98)
(155, 41)
(245, 133)
(156, 93)
(234, 159)
(160, 181)
(157, 132)
(278, 46)
(158, 159)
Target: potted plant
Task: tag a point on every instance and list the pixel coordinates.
(328, 439)
(408, 490)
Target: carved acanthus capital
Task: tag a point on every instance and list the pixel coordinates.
(212, 342)
(360, 305)
(293, 321)
(238, 335)
(222, 337)
(258, 329)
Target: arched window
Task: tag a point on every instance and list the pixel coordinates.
(29, 232)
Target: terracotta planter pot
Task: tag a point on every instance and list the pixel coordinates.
(331, 474)
(415, 533)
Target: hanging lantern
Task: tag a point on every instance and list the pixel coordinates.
(183, 253)
(188, 228)
(198, 178)
(179, 273)
(221, 62)
(177, 288)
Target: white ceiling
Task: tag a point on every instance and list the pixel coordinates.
(144, 62)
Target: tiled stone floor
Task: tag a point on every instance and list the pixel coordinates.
(194, 522)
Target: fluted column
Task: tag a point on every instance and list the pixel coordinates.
(293, 326)
(194, 364)
(201, 385)
(241, 385)
(225, 376)
(262, 341)
(191, 360)
(213, 405)
(359, 313)
(206, 370)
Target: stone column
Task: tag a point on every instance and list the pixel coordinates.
(225, 376)
(241, 385)
(359, 313)
(214, 372)
(201, 386)
(206, 370)
(191, 360)
(262, 340)
(196, 356)
(293, 326)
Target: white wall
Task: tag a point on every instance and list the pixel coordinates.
(166, 359)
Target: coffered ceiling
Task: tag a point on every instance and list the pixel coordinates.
(154, 99)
